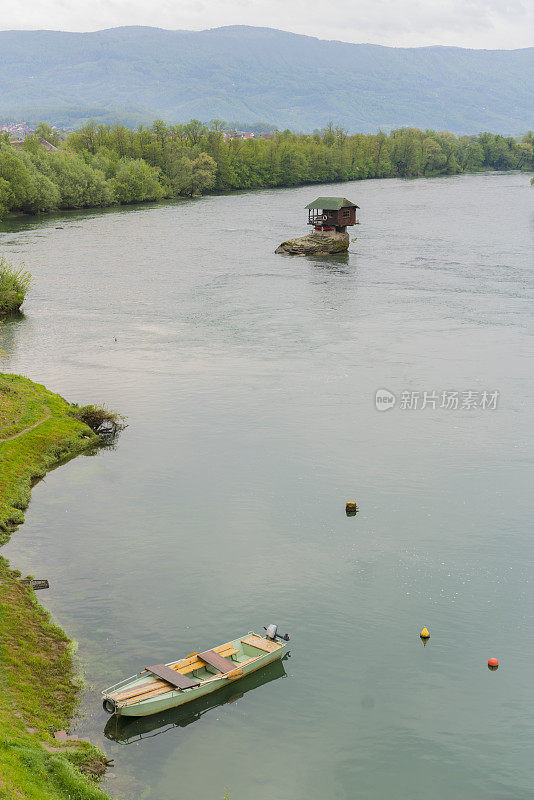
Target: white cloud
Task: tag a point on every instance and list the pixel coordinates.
(405, 23)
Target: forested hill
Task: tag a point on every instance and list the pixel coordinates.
(134, 74)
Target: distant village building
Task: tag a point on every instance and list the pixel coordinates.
(19, 143)
(16, 130)
(47, 145)
(332, 214)
(19, 131)
(244, 135)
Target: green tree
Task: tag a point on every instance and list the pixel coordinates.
(136, 181)
(13, 171)
(79, 184)
(405, 152)
(525, 151)
(194, 131)
(473, 154)
(433, 157)
(5, 197)
(44, 131)
(161, 133)
(194, 176)
(24, 187)
(86, 137)
(293, 165)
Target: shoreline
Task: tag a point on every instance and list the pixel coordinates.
(12, 216)
(39, 685)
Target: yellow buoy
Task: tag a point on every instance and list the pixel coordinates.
(351, 507)
(425, 633)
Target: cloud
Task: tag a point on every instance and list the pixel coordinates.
(465, 23)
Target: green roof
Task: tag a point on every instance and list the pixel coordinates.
(331, 203)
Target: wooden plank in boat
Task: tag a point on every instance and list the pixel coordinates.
(148, 695)
(197, 664)
(224, 665)
(188, 664)
(171, 676)
(261, 644)
(191, 662)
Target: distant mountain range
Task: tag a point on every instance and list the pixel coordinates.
(137, 74)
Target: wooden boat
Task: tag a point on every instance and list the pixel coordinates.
(130, 730)
(164, 686)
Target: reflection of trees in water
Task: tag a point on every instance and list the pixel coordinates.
(126, 730)
(9, 329)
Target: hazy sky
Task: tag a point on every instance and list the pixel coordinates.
(466, 23)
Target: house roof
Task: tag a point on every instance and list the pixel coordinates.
(46, 144)
(331, 203)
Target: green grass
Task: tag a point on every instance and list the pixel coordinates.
(38, 681)
(57, 435)
(38, 691)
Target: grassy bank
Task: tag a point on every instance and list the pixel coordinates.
(38, 683)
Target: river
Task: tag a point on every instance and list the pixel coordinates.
(248, 381)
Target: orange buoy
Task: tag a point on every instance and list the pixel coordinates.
(493, 663)
(351, 507)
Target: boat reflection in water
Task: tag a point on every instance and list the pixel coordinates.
(126, 730)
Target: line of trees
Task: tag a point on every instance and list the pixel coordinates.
(101, 165)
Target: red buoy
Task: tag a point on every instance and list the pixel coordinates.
(493, 663)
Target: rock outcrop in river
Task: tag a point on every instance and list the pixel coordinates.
(317, 243)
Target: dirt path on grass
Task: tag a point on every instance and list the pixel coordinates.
(25, 430)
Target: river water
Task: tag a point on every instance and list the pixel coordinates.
(248, 380)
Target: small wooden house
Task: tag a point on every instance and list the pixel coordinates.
(331, 213)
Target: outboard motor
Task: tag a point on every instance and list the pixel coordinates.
(272, 633)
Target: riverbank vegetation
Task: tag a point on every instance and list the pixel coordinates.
(38, 430)
(98, 415)
(14, 285)
(102, 165)
(38, 691)
(38, 683)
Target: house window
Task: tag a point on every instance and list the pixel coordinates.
(346, 212)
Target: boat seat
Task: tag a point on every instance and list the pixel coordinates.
(172, 677)
(261, 644)
(221, 664)
(199, 662)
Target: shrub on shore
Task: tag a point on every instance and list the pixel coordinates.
(14, 286)
(97, 416)
(136, 181)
